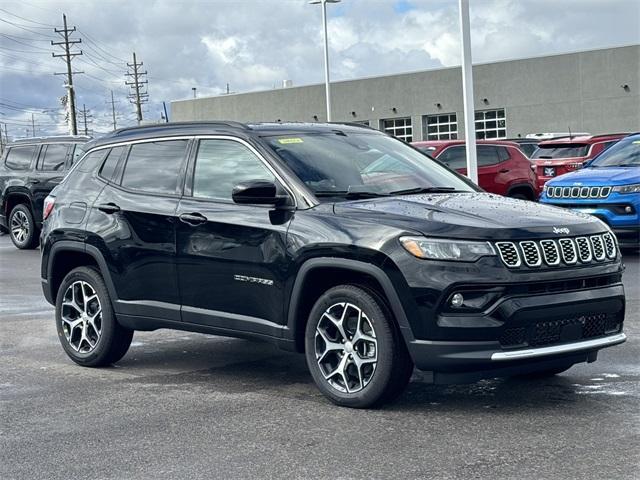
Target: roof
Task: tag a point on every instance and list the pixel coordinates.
(50, 139)
(587, 139)
(216, 127)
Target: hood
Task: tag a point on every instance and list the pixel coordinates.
(471, 216)
(598, 176)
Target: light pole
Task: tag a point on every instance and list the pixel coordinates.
(467, 91)
(326, 51)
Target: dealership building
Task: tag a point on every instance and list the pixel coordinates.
(596, 91)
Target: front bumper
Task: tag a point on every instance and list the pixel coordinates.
(524, 334)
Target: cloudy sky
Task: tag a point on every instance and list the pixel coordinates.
(255, 44)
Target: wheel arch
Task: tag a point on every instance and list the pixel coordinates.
(66, 255)
(524, 188)
(317, 275)
(13, 198)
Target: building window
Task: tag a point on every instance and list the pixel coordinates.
(399, 127)
(491, 124)
(440, 127)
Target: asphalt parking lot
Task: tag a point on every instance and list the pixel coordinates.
(183, 405)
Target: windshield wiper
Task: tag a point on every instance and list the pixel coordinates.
(410, 191)
(348, 194)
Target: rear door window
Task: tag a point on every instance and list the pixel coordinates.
(19, 157)
(155, 166)
(53, 157)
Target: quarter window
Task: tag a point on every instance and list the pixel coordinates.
(440, 127)
(19, 158)
(399, 127)
(111, 163)
(155, 166)
(491, 124)
(53, 157)
(221, 165)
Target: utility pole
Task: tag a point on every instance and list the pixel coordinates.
(137, 97)
(68, 55)
(84, 115)
(113, 110)
(33, 126)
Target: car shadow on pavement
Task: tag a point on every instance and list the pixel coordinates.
(233, 366)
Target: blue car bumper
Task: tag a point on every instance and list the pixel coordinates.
(620, 211)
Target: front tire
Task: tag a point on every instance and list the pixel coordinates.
(87, 328)
(22, 228)
(355, 353)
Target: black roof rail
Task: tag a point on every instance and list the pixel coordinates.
(353, 124)
(202, 123)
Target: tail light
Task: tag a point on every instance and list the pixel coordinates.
(48, 206)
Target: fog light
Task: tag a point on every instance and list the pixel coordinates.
(628, 209)
(457, 300)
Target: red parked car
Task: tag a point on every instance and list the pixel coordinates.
(563, 155)
(502, 167)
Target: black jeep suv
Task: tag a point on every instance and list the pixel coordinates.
(281, 232)
(29, 170)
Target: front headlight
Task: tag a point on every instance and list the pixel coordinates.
(627, 188)
(446, 249)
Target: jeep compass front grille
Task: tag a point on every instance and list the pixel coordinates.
(552, 253)
(578, 192)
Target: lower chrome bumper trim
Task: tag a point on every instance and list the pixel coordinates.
(556, 349)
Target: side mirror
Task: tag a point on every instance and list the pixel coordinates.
(258, 192)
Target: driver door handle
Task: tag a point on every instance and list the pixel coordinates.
(193, 219)
(504, 170)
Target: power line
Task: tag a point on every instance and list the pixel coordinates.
(25, 28)
(27, 19)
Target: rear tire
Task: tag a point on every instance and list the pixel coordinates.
(353, 349)
(87, 328)
(22, 228)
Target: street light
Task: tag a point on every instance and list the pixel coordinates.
(326, 51)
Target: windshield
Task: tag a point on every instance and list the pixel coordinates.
(625, 153)
(569, 150)
(338, 164)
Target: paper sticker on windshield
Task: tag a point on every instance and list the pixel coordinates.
(287, 141)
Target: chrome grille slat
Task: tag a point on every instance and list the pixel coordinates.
(609, 245)
(509, 254)
(568, 248)
(597, 244)
(584, 249)
(550, 252)
(531, 253)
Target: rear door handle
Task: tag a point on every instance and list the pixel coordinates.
(33, 182)
(193, 219)
(504, 170)
(109, 208)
